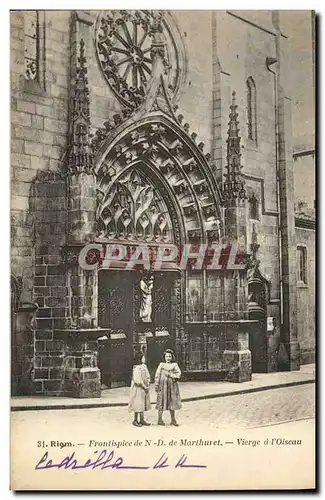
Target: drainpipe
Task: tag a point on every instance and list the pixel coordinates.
(270, 61)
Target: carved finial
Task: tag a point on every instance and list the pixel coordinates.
(81, 59)
(117, 119)
(234, 183)
(80, 155)
(254, 234)
(158, 38)
(156, 26)
(108, 126)
(254, 244)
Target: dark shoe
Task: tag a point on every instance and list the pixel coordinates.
(137, 424)
(174, 423)
(161, 422)
(143, 422)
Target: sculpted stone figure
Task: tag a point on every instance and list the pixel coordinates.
(146, 286)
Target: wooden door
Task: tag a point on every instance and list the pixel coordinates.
(115, 311)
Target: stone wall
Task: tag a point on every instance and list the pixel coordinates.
(195, 101)
(38, 191)
(304, 174)
(39, 120)
(306, 298)
(243, 41)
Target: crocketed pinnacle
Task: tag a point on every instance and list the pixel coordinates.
(80, 155)
(233, 188)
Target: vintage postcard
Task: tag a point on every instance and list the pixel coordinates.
(162, 250)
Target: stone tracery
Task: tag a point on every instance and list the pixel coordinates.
(133, 210)
(126, 43)
(165, 155)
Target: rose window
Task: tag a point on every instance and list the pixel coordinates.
(124, 41)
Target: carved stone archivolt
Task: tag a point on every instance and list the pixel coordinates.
(149, 136)
(154, 181)
(146, 169)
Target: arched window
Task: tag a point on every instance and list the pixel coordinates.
(251, 110)
(302, 264)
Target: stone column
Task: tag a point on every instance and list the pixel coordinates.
(80, 350)
(237, 356)
(235, 216)
(286, 208)
(22, 349)
(82, 208)
(81, 230)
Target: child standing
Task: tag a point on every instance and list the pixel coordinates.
(166, 385)
(139, 392)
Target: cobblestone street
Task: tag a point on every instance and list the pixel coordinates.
(246, 410)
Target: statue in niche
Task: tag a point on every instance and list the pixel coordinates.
(146, 286)
(254, 269)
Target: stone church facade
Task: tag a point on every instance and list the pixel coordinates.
(155, 128)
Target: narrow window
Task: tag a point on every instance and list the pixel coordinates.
(34, 41)
(31, 45)
(251, 110)
(253, 206)
(302, 264)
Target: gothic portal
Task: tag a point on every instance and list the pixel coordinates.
(125, 169)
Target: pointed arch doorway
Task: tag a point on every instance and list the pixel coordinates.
(155, 186)
(142, 307)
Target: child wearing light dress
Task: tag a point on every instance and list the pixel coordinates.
(166, 384)
(139, 392)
